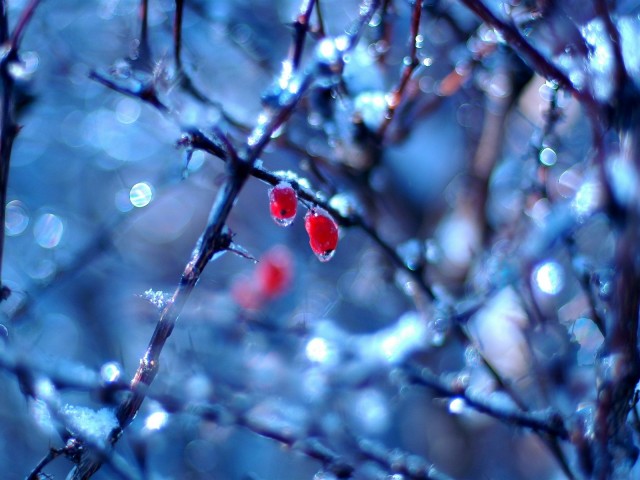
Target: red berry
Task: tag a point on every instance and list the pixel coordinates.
(283, 204)
(274, 272)
(323, 233)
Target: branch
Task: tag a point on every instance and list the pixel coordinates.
(544, 422)
(9, 128)
(529, 53)
(395, 97)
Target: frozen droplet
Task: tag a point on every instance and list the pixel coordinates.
(141, 194)
(48, 230)
(156, 420)
(283, 222)
(548, 157)
(110, 372)
(549, 277)
(16, 218)
(325, 256)
(412, 254)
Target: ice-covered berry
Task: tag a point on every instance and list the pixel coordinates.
(283, 204)
(323, 233)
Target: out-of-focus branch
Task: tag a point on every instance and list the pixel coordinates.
(8, 128)
(545, 422)
(395, 97)
(300, 29)
(529, 53)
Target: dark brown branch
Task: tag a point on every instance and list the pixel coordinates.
(395, 97)
(300, 29)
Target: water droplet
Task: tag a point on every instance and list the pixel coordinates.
(548, 157)
(283, 222)
(110, 372)
(48, 230)
(16, 218)
(141, 194)
(325, 256)
(549, 277)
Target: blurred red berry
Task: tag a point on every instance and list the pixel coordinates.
(274, 272)
(283, 203)
(323, 233)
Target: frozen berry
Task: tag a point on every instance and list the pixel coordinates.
(323, 233)
(283, 204)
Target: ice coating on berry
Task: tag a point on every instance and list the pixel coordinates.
(283, 204)
(323, 233)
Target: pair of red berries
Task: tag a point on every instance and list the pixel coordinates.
(319, 224)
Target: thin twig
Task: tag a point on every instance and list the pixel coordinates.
(550, 423)
(395, 97)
